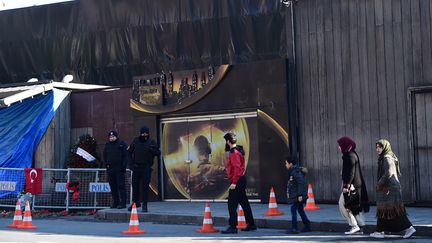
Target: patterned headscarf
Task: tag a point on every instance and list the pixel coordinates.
(385, 144)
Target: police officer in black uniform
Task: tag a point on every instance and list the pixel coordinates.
(116, 160)
(143, 149)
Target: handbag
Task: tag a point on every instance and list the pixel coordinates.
(352, 198)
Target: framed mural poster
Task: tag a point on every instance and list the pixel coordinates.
(194, 156)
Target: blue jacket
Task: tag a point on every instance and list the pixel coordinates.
(296, 185)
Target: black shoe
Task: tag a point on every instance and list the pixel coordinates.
(121, 206)
(114, 205)
(144, 209)
(292, 231)
(250, 228)
(229, 230)
(307, 228)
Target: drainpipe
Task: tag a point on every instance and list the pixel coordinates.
(291, 80)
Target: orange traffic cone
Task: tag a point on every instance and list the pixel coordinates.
(27, 220)
(134, 228)
(273, 209)
(310, 202)
(207, 222)
(17, 220)
(241, 221)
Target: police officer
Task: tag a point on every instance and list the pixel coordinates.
(143, 149)
(116, 159)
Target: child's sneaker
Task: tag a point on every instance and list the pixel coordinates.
(292, 231)
(306, 228)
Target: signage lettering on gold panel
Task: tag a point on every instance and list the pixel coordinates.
(164, 93)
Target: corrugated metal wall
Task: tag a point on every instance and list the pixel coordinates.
(99, 112)
(355, 62)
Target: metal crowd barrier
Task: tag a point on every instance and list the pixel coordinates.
(94, 190)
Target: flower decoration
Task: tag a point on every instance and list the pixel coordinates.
(74, 188)
(89, 144)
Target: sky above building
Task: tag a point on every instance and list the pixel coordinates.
(13, 4)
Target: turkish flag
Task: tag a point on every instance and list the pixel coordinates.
(33, 180)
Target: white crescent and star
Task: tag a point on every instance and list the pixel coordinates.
(31, 177)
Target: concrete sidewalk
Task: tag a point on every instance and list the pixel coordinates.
(327, 218)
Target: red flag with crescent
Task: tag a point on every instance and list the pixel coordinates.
(33, 180)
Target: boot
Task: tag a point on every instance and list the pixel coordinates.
(144, 208)
(229, 230)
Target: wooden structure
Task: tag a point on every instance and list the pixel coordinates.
(53, 149)
(355, 63)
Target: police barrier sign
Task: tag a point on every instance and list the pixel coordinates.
(60, 187)
(99, 187)
(7, 186)
(93, 187)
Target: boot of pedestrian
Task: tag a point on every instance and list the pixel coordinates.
(114, 205)
(144, 208)
(121, 206)
(229, 230)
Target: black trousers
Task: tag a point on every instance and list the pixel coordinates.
(236, 197)
(116, 180)
(140, 182)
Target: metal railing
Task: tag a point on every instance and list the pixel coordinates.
(94, 190)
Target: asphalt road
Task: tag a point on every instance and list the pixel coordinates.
(85, 229)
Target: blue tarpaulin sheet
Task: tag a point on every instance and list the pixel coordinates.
(22, 126)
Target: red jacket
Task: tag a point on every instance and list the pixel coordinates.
(235, 165)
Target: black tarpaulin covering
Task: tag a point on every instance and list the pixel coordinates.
(110, 41)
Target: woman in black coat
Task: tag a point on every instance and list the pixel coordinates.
(354, 199)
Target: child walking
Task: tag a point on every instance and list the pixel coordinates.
(297, 195)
